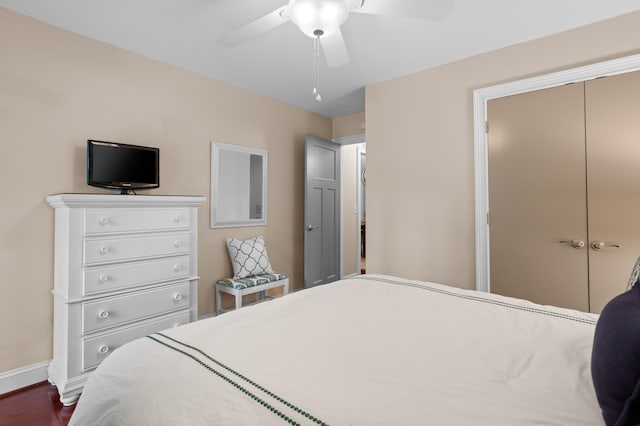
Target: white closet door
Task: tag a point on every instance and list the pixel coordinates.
(537, 197)
(613, 164)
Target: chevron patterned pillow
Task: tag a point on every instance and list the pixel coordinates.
(248, 257)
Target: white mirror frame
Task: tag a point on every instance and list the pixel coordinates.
(480, 98)
(219, 187)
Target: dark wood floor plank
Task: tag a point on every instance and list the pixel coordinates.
(36, 405)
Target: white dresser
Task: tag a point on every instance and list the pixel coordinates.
(125, 266)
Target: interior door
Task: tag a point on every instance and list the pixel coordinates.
(537, 197)
(613, 164)
(321, 211)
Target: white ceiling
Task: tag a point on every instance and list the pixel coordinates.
(280, 63)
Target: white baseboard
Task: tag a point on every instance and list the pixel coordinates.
(355, 274)
(23, 376)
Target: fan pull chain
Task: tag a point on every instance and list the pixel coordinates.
(316, 70)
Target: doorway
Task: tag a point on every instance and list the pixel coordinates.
(362, 205)
(353, 202)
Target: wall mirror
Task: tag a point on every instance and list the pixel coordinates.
(238, 186)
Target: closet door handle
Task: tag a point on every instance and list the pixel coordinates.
(599, 245)
(577, 244)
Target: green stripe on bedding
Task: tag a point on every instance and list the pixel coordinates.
(480, 299)
(249, 388)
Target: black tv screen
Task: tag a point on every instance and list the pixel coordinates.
(122, 166)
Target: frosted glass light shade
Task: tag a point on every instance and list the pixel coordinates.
(323, 15)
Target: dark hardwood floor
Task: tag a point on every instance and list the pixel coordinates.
(35, 405)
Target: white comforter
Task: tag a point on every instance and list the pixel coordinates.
(370, 350)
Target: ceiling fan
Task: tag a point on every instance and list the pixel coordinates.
(321, 20)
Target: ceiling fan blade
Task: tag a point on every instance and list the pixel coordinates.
(419, 9)
(334, 49)
(256, 28)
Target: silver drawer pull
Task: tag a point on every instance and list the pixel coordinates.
(177, 244)
(103, 349)
(103, 314)
(103, 278)
(105, 250)
(104, 221)
(177, 218)
(177, 268)
(177, 297)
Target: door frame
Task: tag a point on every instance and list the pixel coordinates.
(480, 98)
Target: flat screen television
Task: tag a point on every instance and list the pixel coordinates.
(123, 167)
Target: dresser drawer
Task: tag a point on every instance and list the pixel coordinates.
(96, 349)
(119, 249)
(112, 311)
(101, 221)
(106, 278)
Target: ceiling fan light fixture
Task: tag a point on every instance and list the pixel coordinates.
(319, 17)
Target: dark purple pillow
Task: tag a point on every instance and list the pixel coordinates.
(615, 360)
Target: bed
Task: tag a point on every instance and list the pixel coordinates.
(369, 350)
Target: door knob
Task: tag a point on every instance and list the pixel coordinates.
(599, 245)
(310, 228)
(578, 244)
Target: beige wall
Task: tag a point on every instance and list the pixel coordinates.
(420, 168)
(349, 125)
(58, 89)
